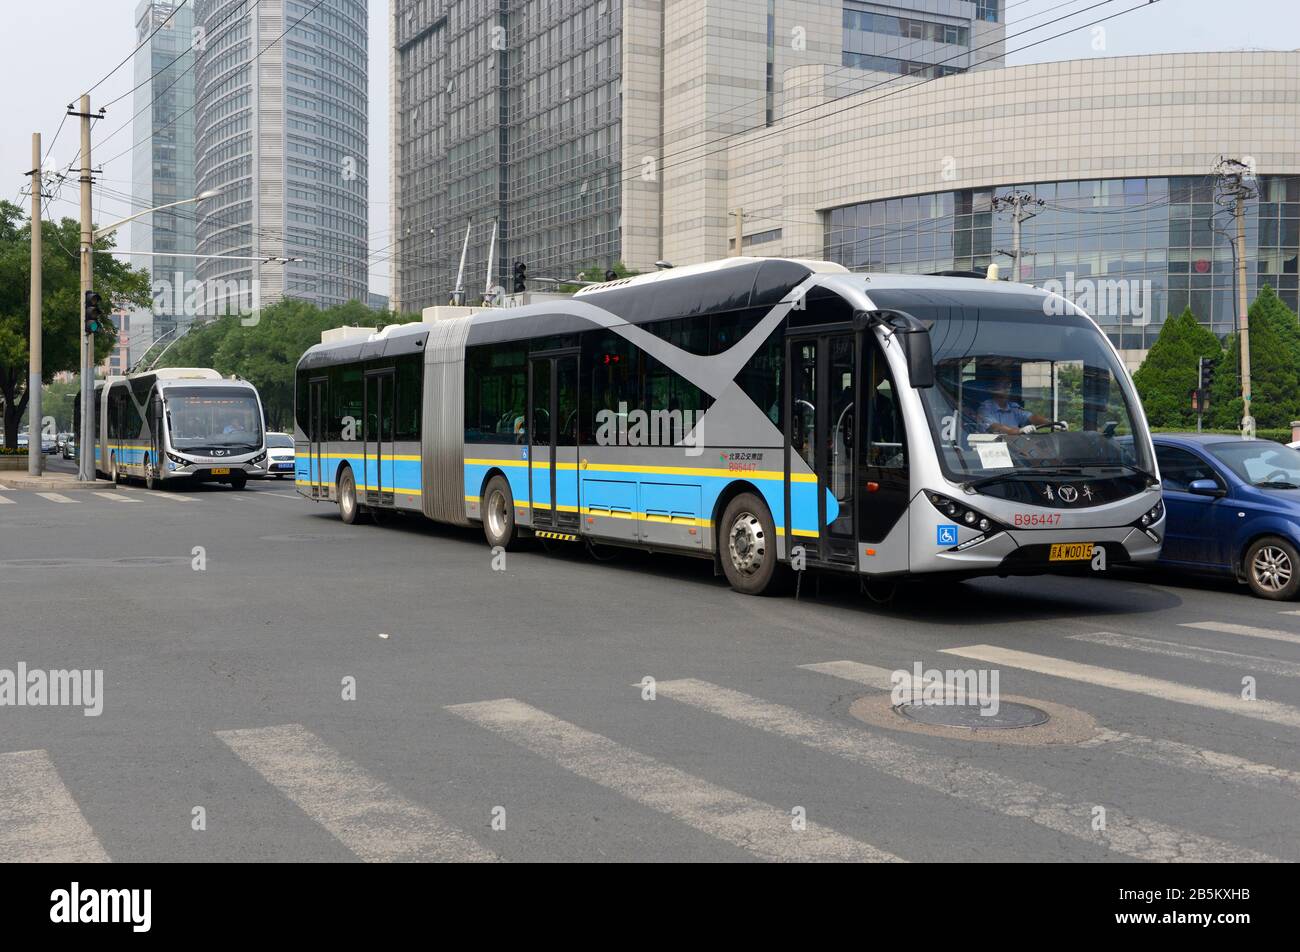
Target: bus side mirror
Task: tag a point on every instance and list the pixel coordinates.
(920, 358)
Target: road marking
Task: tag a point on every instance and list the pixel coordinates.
(55, 497)
(171, 497)
(1169, 753)
(365, 814)
(1270, 711)
(1250, 631)
(6, 500)
(752, 825)
(40, 822)
(1174, 649)
(1133, 836)
(116, 497)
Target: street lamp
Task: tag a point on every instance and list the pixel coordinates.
(86, 438)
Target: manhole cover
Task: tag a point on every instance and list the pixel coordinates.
(972, 717)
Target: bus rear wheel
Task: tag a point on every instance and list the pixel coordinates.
(748, 544)
(349, 508)
(499, 514)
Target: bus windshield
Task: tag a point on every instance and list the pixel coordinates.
(213, 417)
(1018, 390)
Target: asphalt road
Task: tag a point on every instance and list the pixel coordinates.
(515, 698)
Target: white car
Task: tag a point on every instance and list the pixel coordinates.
(279, 455)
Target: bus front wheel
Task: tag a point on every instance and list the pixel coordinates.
(150, 480)
(748, 543)
(238, 480)
(349, 508)
(499, 514)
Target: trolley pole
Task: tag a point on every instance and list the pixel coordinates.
(35, 451)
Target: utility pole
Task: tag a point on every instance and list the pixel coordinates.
(35, 451)
(86, 438)
(1232, 188)
(740, 231)
(1020, 203)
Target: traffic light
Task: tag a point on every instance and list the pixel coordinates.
(1207, 367)
(521, 277)
(94, 313)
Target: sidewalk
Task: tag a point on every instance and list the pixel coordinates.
(55, 482)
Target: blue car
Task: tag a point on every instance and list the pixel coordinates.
(1233, 508)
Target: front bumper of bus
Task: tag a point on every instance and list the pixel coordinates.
(1135, 534)
(178, 467)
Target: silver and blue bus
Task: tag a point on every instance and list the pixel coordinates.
(179, 424)
(756, 412)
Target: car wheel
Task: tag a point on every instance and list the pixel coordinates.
(349, 508)
(1273, 568)
(748, 543)
(499, 514)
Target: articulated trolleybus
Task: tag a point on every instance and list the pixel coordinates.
(756, 412)
(179, 424)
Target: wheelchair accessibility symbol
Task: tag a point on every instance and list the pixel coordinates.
(947, 535)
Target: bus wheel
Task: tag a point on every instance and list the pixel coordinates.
(748, 541)
(238, 480)
(115, 474)
(349, 508)
(150, 480)
(499, 514)
(1273, 569)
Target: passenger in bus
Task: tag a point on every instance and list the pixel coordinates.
(999, 415)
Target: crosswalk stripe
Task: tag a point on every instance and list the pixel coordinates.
(1174, 649)
(1133, 836)
(40, 822)
(171, 497)
(1169, 753)
(1270, 711)
(116, 497)
(365, 814)
(6, 500)
(56, 497)
(752, 825)
(1250, 631)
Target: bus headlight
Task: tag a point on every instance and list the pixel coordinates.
(967, 516)
(258, 460)
(1150, 518)
(178, 461)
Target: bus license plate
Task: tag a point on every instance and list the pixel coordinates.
(225, 471)
(1071, 552)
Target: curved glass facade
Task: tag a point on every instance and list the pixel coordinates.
(1129, 251)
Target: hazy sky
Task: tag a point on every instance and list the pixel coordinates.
(58, 48)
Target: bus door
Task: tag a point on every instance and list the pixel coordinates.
(157, 449)
(823, 413)
(316, 436)
(378, 436)
(883, 466)
(553, 441)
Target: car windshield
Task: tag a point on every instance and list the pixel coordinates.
(1260, 463)
(212, 417)
(279, 441)
(1020, 390)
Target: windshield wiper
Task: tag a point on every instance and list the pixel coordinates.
(1136, 470)
(1276, 484)
(1031, 471)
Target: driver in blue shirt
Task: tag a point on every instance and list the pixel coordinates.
(999, 415)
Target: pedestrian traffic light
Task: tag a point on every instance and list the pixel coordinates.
(1207, 366)
(94, 313)
(521, 277)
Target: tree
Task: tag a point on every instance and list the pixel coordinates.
(61, 304)
(1169, 373)
(1274, 368)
